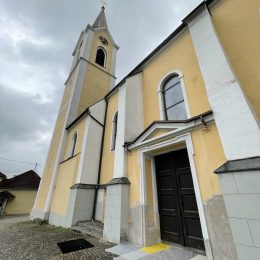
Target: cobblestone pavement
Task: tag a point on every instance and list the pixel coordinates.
(31, 241)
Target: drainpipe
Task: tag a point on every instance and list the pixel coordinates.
(100, 164)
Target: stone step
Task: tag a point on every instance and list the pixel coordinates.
(91, 228)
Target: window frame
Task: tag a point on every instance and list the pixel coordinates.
(105, 56)
(160, 95)
(114, 132)
(165, 108)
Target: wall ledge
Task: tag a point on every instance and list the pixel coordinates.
(240, 165)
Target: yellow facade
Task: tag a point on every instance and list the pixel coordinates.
(97, 79)
(76, 129)
(68, 90)
(183, 59)
(108, 49)
(22, 203)
(66, 179)
(108, 156)
(96, 86)
(133, 174)
(68, 170)
(239, 35)
(102, 190)
(157, 133)
(208, 156)
(50, 163)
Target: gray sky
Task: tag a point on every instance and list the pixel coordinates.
(36, 42)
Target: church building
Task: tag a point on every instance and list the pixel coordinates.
(172, 152)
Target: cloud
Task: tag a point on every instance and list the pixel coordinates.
(36, 42)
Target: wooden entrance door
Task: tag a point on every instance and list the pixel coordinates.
(179, 217)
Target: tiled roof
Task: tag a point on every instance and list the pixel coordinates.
(26, 180)
(7, 195)
(2, 175)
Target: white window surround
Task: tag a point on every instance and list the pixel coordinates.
(160, 94)
(148, 153)
(114, 132)
(105, 60)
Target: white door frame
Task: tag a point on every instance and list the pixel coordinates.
(149, 152)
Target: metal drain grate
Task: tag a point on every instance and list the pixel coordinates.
(74, 245)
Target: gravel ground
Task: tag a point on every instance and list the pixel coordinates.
(28, 240)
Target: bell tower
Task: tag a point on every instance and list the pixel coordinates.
(93, 67)
(91, 77)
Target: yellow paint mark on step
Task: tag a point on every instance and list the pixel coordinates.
(155, 248)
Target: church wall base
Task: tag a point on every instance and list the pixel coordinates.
(241, 192)
(116, 213)
(80, 205)
(39, 214)
(221, 241)
(58, 220)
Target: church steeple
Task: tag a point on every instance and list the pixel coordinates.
(100, 22)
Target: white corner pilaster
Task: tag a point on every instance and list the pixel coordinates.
(130, 119)
(237, 125)
(91, 147)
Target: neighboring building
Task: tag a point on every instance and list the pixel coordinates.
(17, 194)
(172, 152)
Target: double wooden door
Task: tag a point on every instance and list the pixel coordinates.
(179, 217)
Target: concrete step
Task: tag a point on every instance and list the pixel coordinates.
(91, 228)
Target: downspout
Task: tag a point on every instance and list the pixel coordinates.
(100, 163)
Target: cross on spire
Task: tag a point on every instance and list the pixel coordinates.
(104, 3)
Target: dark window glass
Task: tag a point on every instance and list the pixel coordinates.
(114, 132)
(173, 99)
(173, 95)
(100, 57)
(73, 145)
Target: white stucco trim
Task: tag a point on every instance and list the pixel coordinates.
(113, 66)
(88, 44)
(83, 150)
(175, 130)
(160, 95)
(120, 160)
(55, 171)
(237, 126)
(187, 141)
(70, 115)
(130, 119)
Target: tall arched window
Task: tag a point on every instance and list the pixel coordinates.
(174, 106)
(114, 132)
(73, 145)
(101, 57)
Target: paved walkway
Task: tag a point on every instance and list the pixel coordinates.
(160, 251)
(7, 219)
(30, 241)
(25, 240)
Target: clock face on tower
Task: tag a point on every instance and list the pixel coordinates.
(103, 40)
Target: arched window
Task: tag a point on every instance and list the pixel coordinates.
(101, 57)
(78, 51)
(114, 132)
(174, 106)
(73, 145)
